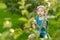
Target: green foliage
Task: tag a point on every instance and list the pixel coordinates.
(22, 17)
(24, 36)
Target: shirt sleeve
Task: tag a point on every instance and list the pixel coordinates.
(36, 19)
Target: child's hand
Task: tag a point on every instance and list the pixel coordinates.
(44, 24)
(34, 22)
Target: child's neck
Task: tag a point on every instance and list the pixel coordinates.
(41, 16)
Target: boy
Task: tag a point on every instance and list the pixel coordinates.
(41, 23)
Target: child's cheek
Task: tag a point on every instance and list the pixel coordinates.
(42, 13)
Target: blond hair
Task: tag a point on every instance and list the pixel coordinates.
(41, 6)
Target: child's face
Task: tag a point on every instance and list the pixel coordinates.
(40, 12)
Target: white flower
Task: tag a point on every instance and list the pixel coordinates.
(49, 4)
(31, 36)
(11, 30)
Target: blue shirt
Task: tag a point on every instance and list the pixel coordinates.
(40, 22)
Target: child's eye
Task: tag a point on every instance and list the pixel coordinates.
(41, 11)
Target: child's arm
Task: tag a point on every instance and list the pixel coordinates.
(44, 24)
(34, 22)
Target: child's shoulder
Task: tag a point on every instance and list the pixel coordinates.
(37, 16)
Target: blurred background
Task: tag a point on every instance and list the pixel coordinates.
(16, 18)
